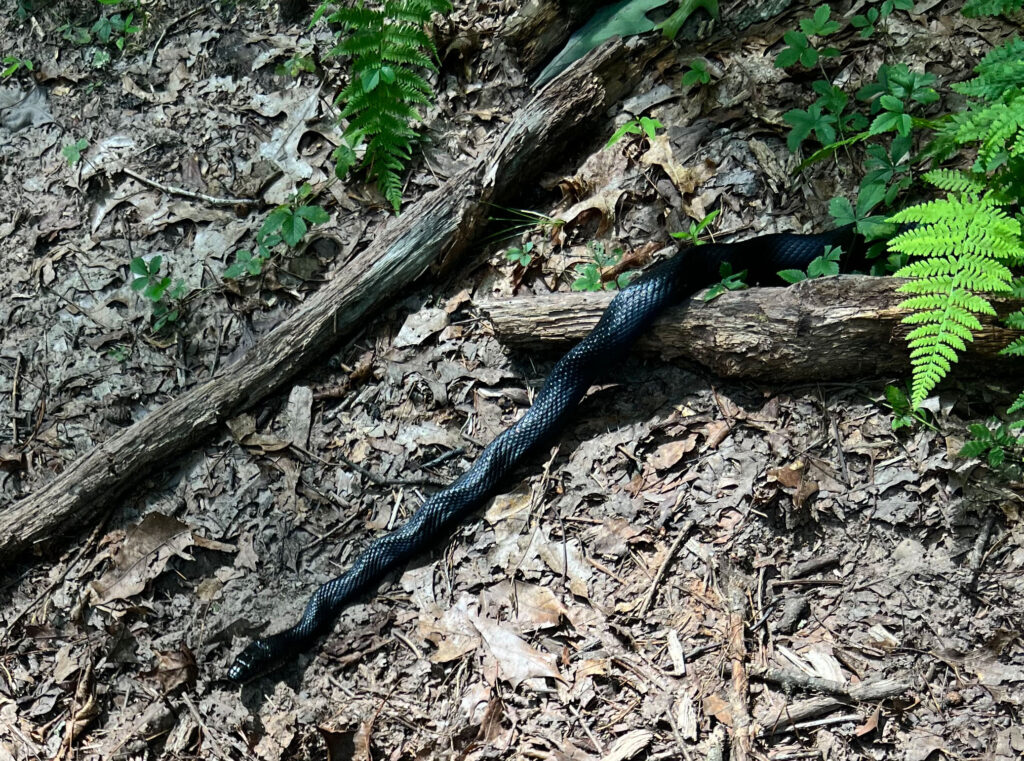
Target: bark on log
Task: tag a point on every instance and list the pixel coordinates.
(438, 226)
(831, 328)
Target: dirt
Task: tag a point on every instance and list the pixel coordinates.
(696, 564)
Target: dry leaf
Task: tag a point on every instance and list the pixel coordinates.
(516, 660)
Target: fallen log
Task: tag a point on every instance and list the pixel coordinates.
(839, 327)
(437, 228)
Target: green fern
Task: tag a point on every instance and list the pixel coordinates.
(963, 247)
(954, 181)
(387, 43)
(976, 8)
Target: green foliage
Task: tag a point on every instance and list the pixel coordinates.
(588, 276)
(670, 27)
(799, 48)
(966, 245)
(295, 65)
(156, 288)
(73, 151)
(866, 22)
(12, 63)
(962, 246)
(520, 255)
(643, 125)
(115, 29)
(903, 413)
(977, 8)
(731, 281)
(519, 221)
(696, 228)
(288, 224)
(821, 266)
(697, 74)
(386, 44)
(994, 442)
(623, 19)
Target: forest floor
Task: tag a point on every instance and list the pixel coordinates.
(684, 566)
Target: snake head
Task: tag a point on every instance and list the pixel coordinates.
(257, 659)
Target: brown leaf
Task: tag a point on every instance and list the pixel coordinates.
(175, 668)
(869, 725)
(686, 179)
(516, 660)
(142, 556)
(719, 708)
(670, 453)
(788, 475)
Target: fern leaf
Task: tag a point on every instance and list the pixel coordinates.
(962, 246)
(388, 44)
(1017, 406)
(954, 181)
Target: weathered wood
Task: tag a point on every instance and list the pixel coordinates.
(841, 327)
(439, 226)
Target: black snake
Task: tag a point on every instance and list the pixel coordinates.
(631, 311)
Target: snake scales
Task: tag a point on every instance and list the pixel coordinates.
(630, 312)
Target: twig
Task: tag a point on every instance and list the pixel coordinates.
(974, 560)
(195, 195)
(739, 693)
(871, 691)
(206, 729)
(841, 719)
(684, 531)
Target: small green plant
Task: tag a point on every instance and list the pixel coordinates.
(800, 49)
(697, 74)
(995, 443)
(156, 288)
(731, 281)
(76, 35)
(588, 276)
(387, 45)
(295, 65)
(643, 125)
(119, 353)
(866, 22)
(696, 228)
(903, 413)
(13, 63)
(115, 30)
(520, 255)
(519, 221)
(73, 151)
(822, 266)
(288, 224)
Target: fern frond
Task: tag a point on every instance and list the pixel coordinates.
(1018, 405)
(387, 43)
(997, 74)
(954, 181)
(962, 246)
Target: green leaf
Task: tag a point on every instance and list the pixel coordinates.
(792, 276)
(293, 229)
(138, 267)
(313, 214)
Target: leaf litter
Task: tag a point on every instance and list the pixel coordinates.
(527, 634)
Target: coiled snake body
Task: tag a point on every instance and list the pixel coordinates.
(631, 311)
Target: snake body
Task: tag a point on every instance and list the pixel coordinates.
(631, 311)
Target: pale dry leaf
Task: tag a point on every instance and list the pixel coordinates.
(515, 658)
(629, 745)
